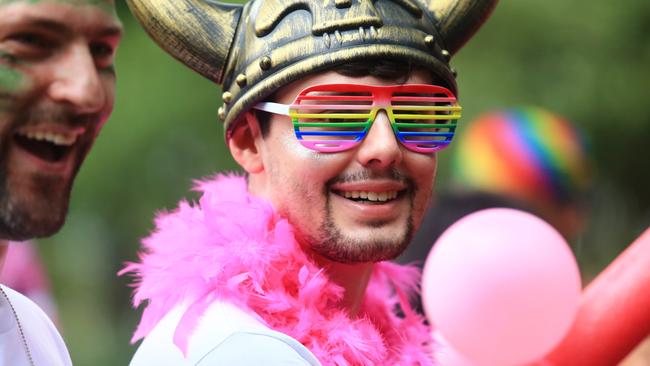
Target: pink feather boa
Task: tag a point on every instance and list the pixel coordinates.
(234, 247)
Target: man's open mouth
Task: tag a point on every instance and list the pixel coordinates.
(46, 145)
(370, 197)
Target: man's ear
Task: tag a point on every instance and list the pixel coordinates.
(243, 144)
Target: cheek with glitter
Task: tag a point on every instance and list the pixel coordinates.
(289, 141)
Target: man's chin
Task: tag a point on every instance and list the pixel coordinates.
(20, 229)
(362, 249)
(26, 221)
(364, 256)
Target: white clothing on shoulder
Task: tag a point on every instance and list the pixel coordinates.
(224, 335)
(44, 341)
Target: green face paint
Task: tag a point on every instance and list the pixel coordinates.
(110, 70)
(10, 83)
(106, 5)
(10, 79)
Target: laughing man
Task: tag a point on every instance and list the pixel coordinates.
(56, 91)
(335, 111)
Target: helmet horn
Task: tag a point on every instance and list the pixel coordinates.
(458, 20)
(199, 33)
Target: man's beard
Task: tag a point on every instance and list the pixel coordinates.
(338, 247)
(44, 212)
(20, 220)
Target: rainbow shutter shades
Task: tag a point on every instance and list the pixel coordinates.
(336, 117)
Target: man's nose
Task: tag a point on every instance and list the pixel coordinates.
(380, 149)
(76, 81)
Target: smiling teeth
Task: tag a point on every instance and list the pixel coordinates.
(371, 196)
(51, 137)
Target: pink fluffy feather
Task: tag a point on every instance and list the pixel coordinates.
(234, 247)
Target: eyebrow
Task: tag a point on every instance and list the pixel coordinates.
(114, 30)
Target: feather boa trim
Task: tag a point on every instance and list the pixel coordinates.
(233, 246)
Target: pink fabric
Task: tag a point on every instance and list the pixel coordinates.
(23, 270)
(232, 246)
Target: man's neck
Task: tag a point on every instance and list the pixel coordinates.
(353, 278)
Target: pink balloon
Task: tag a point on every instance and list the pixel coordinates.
(501, 286)
(447, 355)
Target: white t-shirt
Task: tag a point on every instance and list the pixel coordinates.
(225, 335)
(44, 341)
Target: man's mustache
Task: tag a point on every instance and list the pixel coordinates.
(53, 113)
(368, 174)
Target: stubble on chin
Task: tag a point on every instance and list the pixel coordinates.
(340, 248)
(33, 211)
(336, 246)
(38, 210)
(20, 220)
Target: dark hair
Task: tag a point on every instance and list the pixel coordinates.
(387, 69)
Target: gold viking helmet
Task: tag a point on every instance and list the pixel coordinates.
(253, 49)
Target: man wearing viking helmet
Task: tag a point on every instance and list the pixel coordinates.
(335, 110)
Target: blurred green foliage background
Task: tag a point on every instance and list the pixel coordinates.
(587, 60)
